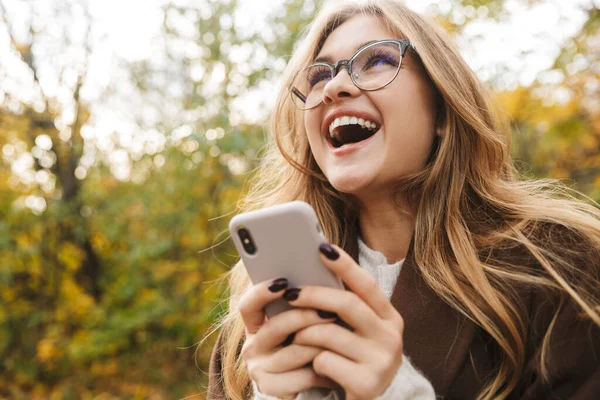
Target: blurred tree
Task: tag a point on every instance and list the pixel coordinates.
(556, 120)
(99, 247)
(41, 254)
(110, 246)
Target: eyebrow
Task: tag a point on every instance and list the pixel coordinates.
(329, 60)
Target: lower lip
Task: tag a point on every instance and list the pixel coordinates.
(350, 148)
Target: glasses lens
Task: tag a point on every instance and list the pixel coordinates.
(376, 66)
(307, 88)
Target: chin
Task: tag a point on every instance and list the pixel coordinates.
(350, 184)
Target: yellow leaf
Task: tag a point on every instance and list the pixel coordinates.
(47, 351)
(71, 256)
(186, 241)
(77, 302)
(109, 368)
(100, 243)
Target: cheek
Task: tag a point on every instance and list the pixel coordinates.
(312, 126)
(411, 109)
(409, 120)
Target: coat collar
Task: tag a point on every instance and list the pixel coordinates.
(436, 336)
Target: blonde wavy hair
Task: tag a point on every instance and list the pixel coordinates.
(468, 198)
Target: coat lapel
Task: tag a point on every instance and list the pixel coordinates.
(436, 337)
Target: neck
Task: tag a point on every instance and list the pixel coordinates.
(386, 226)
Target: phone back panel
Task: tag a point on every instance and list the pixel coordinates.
(287, 238)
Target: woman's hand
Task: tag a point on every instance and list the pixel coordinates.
(363, 362)
(278, 371)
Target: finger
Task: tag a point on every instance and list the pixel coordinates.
(334, 338)
(339, 369)
(255, 299)
(290, 383)
(278, 328)
(348, 306)
(290, 358)
(358, 280)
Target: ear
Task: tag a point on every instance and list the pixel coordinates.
(440, 115)
(438, 125)
(439, 131)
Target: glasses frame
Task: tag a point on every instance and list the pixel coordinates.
(404, 45)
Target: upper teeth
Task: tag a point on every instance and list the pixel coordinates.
(347, 120)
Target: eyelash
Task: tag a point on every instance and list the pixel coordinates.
(316, 75)
(382, 55)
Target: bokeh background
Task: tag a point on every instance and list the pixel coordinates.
(128, 129)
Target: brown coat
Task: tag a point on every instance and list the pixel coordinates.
(458, 357)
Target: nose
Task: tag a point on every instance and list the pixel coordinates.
(341, 86)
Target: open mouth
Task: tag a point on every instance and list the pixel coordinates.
(348, 130)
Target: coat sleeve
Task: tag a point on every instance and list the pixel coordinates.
(573, 357)
(572, 360)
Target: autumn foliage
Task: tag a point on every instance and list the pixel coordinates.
(110, 251)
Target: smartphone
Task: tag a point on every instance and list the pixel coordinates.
(282, 241)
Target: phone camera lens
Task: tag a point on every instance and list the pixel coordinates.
(247, 241)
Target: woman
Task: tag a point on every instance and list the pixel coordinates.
(398, 150)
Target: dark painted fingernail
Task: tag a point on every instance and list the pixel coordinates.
(291, 294)
(326, 314)
(288, 340)
(343, 324)
(278, 285)
(328, 251)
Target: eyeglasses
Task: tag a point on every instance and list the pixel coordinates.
(373, 66)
